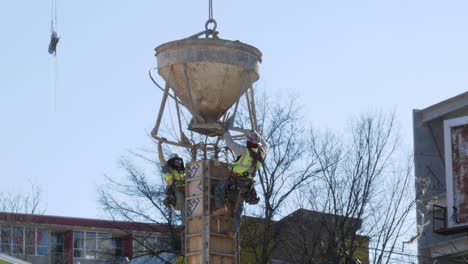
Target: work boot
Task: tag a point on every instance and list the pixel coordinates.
(220, 211)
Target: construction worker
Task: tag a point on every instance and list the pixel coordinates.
(174, 175)
(250, 157)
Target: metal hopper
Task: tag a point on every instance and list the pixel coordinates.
(208, 76)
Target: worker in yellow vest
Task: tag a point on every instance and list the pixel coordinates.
(174, 175)
(179, 260)
(241, 181)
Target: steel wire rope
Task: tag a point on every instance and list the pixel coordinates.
(159, 86)
(55, 83)
(53, 12)
(53, 29)
(210, 9)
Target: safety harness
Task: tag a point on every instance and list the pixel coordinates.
(170, 199)
(175, 178)
(240, 185)
(240, 168)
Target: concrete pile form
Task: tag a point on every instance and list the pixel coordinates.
(205, 238)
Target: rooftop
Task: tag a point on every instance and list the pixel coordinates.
(81, 222)
(445, 107)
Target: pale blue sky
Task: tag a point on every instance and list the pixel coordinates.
(341, 57)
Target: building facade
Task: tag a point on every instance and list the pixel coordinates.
(304, 236)
(441, 180)
(42, 239)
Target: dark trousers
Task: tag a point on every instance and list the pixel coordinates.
(219, 202)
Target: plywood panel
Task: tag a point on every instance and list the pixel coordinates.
(221, 259)
(220, 225)
(194, 225)
(194, 244)
(223, 244)
(194, 187)
(220, 170)
(194, 207)
(196, 259)
(194, 169)
(203, 244)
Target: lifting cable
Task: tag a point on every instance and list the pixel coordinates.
(208, 31)
(210, 9)
(54, 39)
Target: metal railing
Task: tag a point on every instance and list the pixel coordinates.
(439, 218)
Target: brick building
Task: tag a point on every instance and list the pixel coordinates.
(42, 239)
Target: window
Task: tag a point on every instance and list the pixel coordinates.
(56, 243)
(117, 245)
(103, 246)
(42, 242)
(150, 243)
(18, 240)
(21, 241)
(91, 245)
(142, 245)
(5, 239)
(163, 243)
(78, 244)
(56, 248)
(30, 241)
(138, 246)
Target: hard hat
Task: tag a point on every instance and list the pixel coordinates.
(254, 138)
(172, 160)
(174, 155)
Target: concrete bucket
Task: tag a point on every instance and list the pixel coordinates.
(208, 75)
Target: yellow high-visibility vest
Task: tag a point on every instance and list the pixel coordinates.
(244, 163)
(175, 176)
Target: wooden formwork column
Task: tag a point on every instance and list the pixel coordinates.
(205, 235)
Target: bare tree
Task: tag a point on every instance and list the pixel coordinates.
(138, 200)
(288, 166)
(355, 182)
(363, 194)
(19, 211)
(22, 203)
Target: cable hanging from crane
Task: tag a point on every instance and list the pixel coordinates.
(54, 39)
(208, 31)
(210, 9)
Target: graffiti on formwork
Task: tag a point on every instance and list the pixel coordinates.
(192, 207)
(193, 171)
(200, 186)
(460, 170)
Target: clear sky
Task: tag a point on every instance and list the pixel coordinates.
(340, 57)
